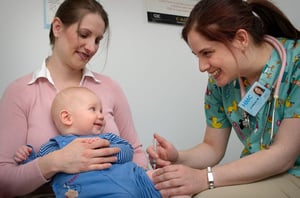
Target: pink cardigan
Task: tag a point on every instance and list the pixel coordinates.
(25, 119)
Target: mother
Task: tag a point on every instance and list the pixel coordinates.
(75, 36)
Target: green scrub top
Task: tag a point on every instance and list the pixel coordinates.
(221, 103)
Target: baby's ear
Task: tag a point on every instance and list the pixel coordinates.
(65, 117)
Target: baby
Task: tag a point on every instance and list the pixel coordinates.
(77, 113)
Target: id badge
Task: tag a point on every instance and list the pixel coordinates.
(255, 98)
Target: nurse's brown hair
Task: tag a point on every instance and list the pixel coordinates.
(219, 20)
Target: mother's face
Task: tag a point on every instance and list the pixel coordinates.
(78, 43)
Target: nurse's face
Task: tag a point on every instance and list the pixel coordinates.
(214, 58)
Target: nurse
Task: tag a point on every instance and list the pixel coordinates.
(241, 45)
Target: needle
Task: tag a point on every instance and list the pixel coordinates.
(154, 143)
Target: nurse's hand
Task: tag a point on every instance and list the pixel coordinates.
(165, 153)
(180, 180)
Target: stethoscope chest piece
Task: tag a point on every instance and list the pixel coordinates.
(245, 121)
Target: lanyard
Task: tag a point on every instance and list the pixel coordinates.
(282, 54)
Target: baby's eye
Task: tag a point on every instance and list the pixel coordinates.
(93, 108)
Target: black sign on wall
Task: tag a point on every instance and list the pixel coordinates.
(169, 11)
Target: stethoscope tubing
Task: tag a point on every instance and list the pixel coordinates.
(282, 54)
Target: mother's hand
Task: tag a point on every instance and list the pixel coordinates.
(80, 155)
(180, 180)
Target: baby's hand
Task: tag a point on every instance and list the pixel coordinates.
(22, 153)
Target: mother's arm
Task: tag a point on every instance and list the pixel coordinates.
(124, 121)
(22, 179)
(14, 179)
(78, 156)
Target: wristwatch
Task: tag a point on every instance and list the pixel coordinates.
(210, 178)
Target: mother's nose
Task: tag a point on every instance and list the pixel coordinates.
(91, 47)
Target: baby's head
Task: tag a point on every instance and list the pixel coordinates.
(77, 111)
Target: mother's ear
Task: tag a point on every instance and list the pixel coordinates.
(57, 26)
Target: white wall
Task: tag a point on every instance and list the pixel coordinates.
(151, 62)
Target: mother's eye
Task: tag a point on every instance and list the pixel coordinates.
(83, 33)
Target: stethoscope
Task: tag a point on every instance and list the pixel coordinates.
(245, 122)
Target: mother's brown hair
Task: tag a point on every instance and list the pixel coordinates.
(72, 11)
